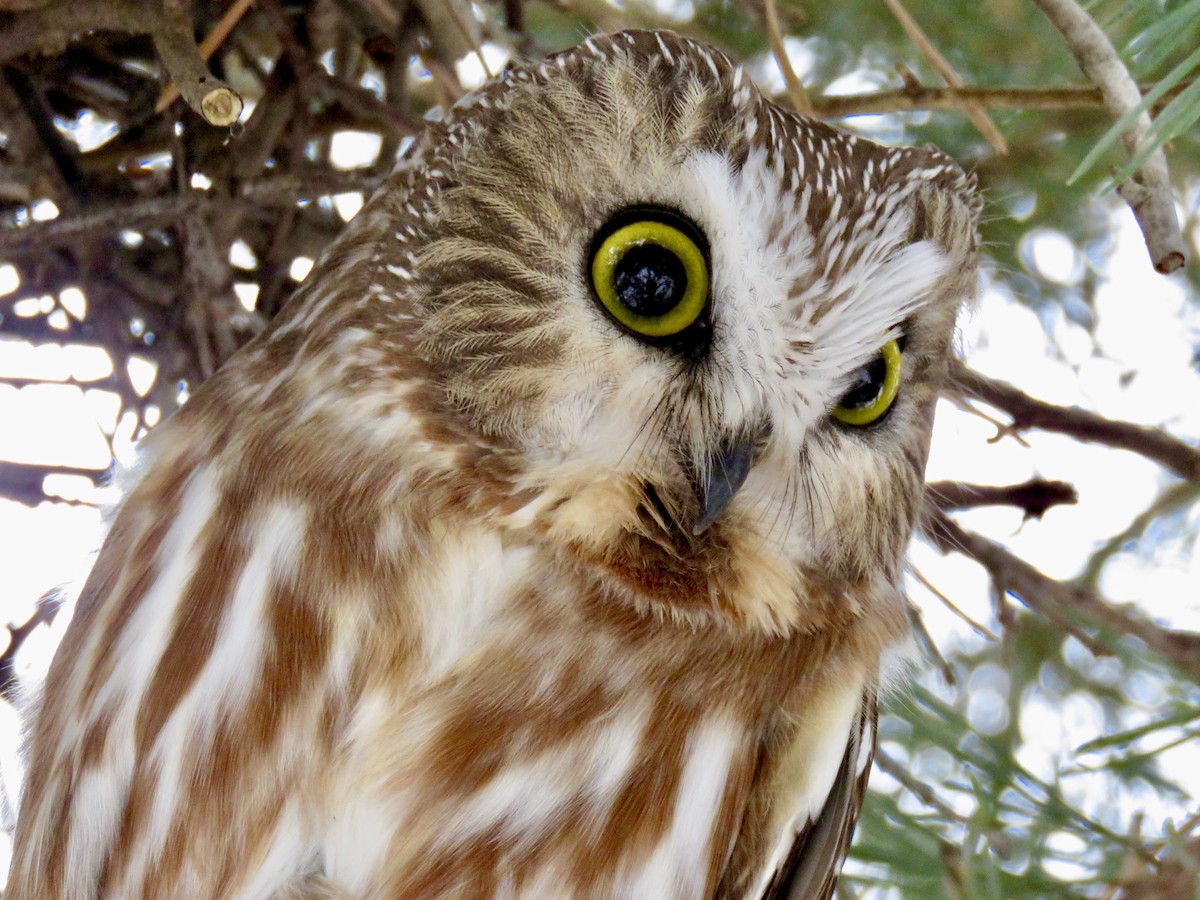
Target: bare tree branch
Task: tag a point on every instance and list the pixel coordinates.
(453, 30)
(919, 789)
(208, 46)
(100, 220)
(910, 98)
(913, 97)
(206, 94)
(22, 482)
(1178, 496)
(46, 609)
(1034, 497)
(49, 28)
(1028, 412)
(1057, 601)
(795, 88)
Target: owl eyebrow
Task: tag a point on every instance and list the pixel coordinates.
(902, 329)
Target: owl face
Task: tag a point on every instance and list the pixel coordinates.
(711, 329)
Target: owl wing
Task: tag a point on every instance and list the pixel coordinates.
(810, 868)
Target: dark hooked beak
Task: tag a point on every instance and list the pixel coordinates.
(725, 474)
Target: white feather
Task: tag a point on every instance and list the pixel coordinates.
(99, 800)
(234, 663)
(672, 870)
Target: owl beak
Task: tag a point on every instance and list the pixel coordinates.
(726, 473)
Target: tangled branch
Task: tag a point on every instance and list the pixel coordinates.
(48, 28)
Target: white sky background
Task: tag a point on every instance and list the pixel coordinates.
(1136, 365)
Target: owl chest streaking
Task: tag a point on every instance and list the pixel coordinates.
(547, 543)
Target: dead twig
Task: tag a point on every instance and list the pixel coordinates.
(208, 46)
(913, 97)
(796, 91)
(1177, 497)
(1148, 192)
(49, 28)
(453, 30)
(23, 483)
(212, 98)
(915, 786)
(1034, 497)
(103, 220)
(927, 644)
(978, 628)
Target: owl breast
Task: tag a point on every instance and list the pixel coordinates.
(546, 741)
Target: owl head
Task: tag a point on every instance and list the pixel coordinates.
(706, 332)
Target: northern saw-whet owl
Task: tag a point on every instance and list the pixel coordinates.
(547, 543)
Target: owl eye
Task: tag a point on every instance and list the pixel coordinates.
(652, 277)
(872, 390)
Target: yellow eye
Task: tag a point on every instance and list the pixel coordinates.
(651, 277)
(873, 389)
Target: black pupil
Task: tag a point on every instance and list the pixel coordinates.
(650, 280)
(866, 385)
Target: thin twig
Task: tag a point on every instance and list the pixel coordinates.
(913, 97)
(86, 225)
(365, 105)
(455, 13)
(1178, 496)
(978, 628)
(383, 11)
(795, 88)
(105, 219)
(928, 645)
(1148, 192)
(46, 609)
(1034, 497)
(449, 29)
(974, 112)
(444, 78)
(915, 786)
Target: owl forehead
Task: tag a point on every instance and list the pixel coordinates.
(687, 96)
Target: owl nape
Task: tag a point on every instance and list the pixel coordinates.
(548, 542)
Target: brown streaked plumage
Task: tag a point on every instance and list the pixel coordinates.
(453, 585)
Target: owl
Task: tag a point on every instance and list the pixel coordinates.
(548, 543)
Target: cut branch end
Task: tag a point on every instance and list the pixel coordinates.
(222, 106)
